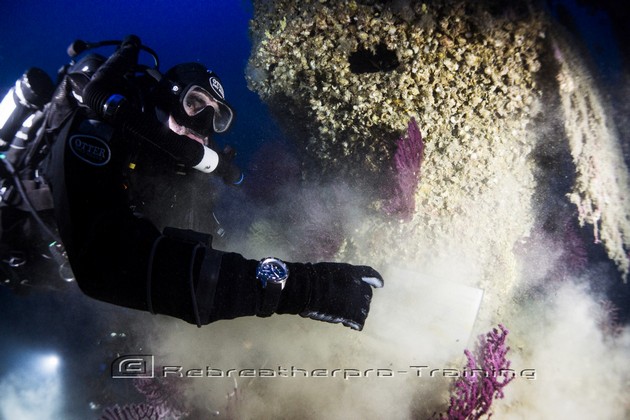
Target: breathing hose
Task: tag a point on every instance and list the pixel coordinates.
(100, 95)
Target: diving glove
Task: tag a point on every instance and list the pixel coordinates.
(330, 292)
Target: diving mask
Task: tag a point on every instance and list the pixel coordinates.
(197, 100)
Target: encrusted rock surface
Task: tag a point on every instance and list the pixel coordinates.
(602, 187)
(467, 75)
(470, 73)
(458, 68)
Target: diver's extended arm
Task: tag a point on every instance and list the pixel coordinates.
(122, 258)
(219, 285)
(331, 292)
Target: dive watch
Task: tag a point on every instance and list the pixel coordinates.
(272, 273)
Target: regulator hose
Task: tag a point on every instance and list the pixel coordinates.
(101, 96)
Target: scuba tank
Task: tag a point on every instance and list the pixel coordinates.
(21, 118)
(31, 92)
(23, 190)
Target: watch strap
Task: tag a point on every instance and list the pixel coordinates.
(272, 274)
(270, 299)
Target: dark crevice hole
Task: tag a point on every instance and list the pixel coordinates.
(367, 61)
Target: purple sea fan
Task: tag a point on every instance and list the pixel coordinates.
(407, 162)
(486, 373)
(163, 400)
(134, 412)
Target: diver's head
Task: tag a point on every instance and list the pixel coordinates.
(195, 100)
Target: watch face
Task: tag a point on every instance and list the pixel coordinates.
(272, 270)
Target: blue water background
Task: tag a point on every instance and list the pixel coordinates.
(215, 33)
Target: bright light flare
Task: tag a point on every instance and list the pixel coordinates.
(49, 363)
(32, 388)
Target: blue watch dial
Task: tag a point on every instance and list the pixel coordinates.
(272, 270)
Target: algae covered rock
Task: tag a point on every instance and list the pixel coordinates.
(488, 89)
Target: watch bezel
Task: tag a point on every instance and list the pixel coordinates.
(265, 278)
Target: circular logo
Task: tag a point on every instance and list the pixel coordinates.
(90, 149)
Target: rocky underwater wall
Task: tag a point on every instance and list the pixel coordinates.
(521, 176)
(493, 99)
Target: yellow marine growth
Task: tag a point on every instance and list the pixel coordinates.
(492, 92)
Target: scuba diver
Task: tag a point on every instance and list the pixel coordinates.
(80, 157)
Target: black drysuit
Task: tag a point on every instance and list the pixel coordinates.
(122, 258)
